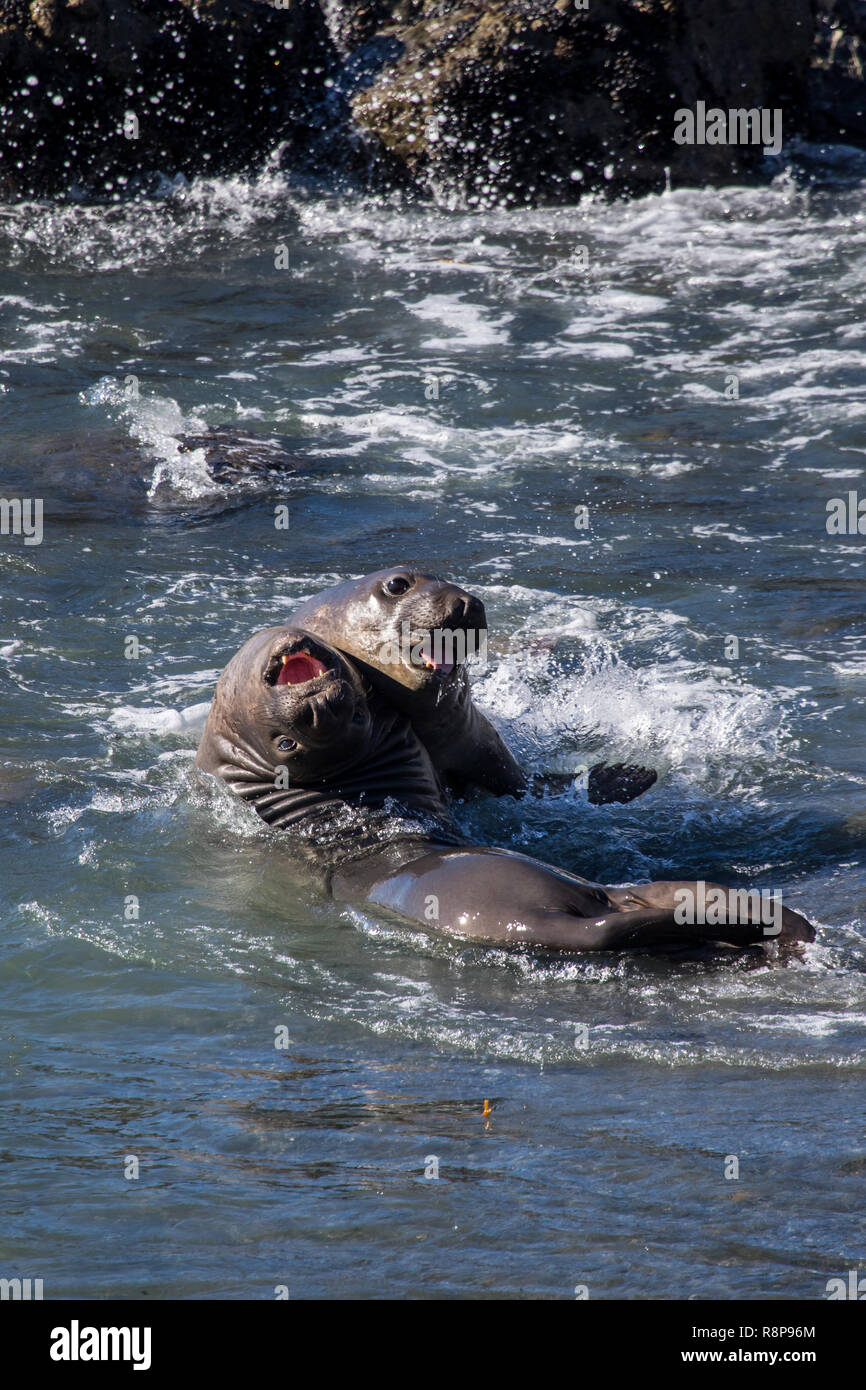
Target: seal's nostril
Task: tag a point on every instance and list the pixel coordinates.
(468, 612)
(474, 612)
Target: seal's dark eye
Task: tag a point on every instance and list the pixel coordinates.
(286, 745)
(398, 585)
(357, 717)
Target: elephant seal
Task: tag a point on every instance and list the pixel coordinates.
(293, 731)
(410, 633)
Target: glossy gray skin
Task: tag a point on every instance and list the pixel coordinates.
(349, 750)
(364, 620)
(506, 899)
(352, 749)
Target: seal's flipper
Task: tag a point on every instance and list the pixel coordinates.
(606, 784)
(618, 782)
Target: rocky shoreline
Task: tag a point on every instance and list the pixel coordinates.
(482, 102)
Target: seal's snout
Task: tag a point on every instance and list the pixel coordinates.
(464, 613)
(327, 708)
(469, 613)
(455, 636)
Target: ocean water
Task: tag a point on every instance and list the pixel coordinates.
(447, 389)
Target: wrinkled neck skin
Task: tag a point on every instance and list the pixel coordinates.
(463, 745)
(349, 813)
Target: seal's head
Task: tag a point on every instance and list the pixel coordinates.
(412, 627)
(285, 700)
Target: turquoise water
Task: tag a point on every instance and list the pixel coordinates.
(446, 389)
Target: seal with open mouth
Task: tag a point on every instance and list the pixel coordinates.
(290, 728)
(293, 731)
(411, 633)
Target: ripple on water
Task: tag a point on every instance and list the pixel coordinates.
(452, 386)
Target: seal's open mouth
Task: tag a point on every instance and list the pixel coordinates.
(298, 660)
(299, 667)
(441, 668)
(460, 634)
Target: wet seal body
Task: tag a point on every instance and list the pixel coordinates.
(384, 619)
(293, 731)
(410, 633)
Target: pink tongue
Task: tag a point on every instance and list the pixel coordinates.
(446, 667)
(300, 668)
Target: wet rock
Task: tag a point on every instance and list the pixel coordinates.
(107, 93)
(230, 456)
(837, 88)
(539, 100)
(353, 22)
(521, 101)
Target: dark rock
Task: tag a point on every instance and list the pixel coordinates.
(521, 101)
(537, 100)
(230, 456)
(213, 86)
(837, 87)
(353, 22)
